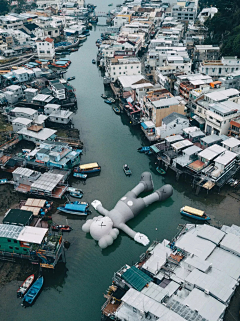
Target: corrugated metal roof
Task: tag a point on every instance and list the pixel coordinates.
(136, 278)
(231, 243)
(32, 234)
(211, 233)
(10, 231)
(231, 142)
(226, 157)
(47, 182)
(23, 171)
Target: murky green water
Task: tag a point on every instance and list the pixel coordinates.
(77, 292)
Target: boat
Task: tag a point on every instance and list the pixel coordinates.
(111, 99)
(64, 228)
(70, 78)
(32, 293)
(79, 175)
(93, 61)
(110, 4)
(116, 110)
(76, 208)
(160, 170)
(107, 101)
(25, 286)
(87, 168)
(127, 170)
(194, 213)
(73, 49)
(75, 192)
(82, 38)
(144, 149)
(3, 181)
(104, 96)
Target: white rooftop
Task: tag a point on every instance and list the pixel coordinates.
(43, 134)
(210, 233)
(30, 234)
(231, 243)
(174, 138)
(190, 129)
(182, 144)
(23, 171)
(165, 102)
(198, 263)
(231, 142)
(21, 120)
(128, 81)
(208, 307)
(191, 150)
(208, 154)
(28, 111)
(226, 157)
(47, 182)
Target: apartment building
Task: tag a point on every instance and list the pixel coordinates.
(123, 66)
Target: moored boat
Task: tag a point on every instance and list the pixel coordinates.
(76, 208)
(25, 286)
(107, 101)
(87, 168)
(160, 170)
(111, 99)
(32, 293)
(64, 228)
(93, 61)
(80, 175)
(104, 96)
(116, 110)
(70, 78)
(82, 38)
(127, 170)
(75, 192)
(194, 213)
(3, 181)
(144, 149)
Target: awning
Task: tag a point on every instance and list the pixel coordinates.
(144, 126)
(136, 278)
(154, 148)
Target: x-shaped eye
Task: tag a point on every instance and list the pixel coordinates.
(102, 224)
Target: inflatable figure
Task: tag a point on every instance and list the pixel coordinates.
(105, 229)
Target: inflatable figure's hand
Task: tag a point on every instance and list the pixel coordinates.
(141, 238)
(96, 203)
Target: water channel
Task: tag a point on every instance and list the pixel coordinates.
(76, 292)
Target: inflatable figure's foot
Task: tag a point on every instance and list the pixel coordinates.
(141, 238)
(146, 179)
(164, 192)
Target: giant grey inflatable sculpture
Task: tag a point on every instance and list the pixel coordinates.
(106, 229)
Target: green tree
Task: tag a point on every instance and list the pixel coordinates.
(4, 7)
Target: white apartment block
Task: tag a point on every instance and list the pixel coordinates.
(45, 49)
(218, 68)
(122, 67)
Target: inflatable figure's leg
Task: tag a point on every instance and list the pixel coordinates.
(159, 195)
(145, 184)
(98, 207)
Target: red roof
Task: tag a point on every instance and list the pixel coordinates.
(49, 40)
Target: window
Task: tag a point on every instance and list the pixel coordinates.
(126, 67)
(131, 67)
(15, 241)
(9, 241)
(134, 310)
(62, 119)
(119, 67)
(120, 73)
(17, 248)
(25, 250)
(114, 73)
(48, 52)
(113, 68)
(11, 248)
(220, 70)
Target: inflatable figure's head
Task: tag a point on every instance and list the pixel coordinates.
(101, 230)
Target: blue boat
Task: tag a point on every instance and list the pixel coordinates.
(32, 293)
(3, 181)
(144, 149)
(107, 101)
(194, 213)
(71, 78)
(77, 208)
(93, 61)
(79, 175)
(127, 170)
(75, 192)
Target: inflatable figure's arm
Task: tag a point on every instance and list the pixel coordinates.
(98, 207)
(138, 237)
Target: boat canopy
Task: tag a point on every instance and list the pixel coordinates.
(193, 211)
(76, 207)
(89, 166)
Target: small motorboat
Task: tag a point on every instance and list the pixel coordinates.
(144, 149)
(75, 192)
(116, 110)
(93, 61)
(110, 4)
(160, 170)
(32, 293)
(64, 228)
(3, 181)
(111, 99)
(104, 96)
(108, 101)
(80, 175)
(76, 208)
(127, 170)
(25, 286)
(194, 213)
(71, 78)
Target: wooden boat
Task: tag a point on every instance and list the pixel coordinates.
(104, 96)
(87, 168)
(194, 213)
(64, 228)
(76, 208)
(32, 293)
(93, 61)
(127, 170)
(75, 192)
(160, 170)
(116, 110)
(25, 286)
(70, 78)
(144, 149)
(107, 101)
(80, 175)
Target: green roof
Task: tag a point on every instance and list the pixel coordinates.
(17, 217)
(136, 278)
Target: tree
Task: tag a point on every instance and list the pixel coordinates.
(4, 7)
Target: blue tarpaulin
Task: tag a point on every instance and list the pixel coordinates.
(76, 207)
(144, 126)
